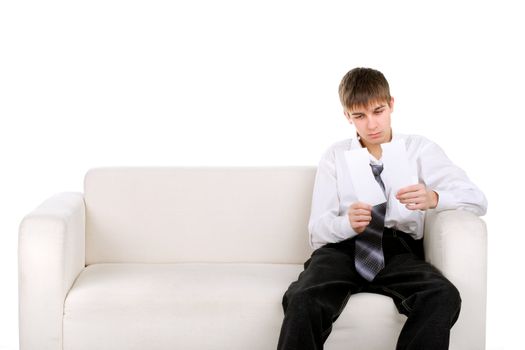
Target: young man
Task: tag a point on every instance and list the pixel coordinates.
(360, 247)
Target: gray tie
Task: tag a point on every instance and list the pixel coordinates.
(369, 258)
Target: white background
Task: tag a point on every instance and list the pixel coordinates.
(99, 83)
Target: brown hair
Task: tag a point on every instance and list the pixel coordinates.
(362, 86)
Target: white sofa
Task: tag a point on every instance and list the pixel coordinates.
(198, 258)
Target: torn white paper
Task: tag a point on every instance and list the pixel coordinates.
(366, 187)
(398, 171)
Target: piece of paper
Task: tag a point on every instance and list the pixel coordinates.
(366, 187)
(398, 171)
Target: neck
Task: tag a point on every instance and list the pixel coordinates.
(374, 150)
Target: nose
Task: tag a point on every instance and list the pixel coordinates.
(372, 123)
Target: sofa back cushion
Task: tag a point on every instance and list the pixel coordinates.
(198, 214)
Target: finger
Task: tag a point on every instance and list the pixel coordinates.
(413, 194)
(361, 205)
(362, 218)
(407, 189)
(412, 200)
(414, 206)
(360, 225)
(360, 212)
(421, 193)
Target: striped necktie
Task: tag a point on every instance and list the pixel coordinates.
(369, 258)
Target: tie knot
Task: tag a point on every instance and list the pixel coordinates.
(377, 169)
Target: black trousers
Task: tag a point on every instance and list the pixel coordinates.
(419, 290)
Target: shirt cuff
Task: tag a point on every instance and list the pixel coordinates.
(445, 201)
(346, 229)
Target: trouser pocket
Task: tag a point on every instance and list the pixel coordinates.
(413, 246)
(405, 244)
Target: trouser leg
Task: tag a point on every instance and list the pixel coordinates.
(313, 302)
(421, 292)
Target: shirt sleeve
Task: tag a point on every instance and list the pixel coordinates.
(325, 224)
(451, 183)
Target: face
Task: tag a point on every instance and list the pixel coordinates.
(372, 122)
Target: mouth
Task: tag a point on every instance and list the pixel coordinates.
(376, 135)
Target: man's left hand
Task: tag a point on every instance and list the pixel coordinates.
(418, 197)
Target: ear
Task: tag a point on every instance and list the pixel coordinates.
(391, 104)
(348, 116)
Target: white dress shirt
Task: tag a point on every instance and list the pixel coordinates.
(333, 192)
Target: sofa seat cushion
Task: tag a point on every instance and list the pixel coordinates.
(200, 306)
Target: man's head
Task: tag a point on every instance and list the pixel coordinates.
(367, 104)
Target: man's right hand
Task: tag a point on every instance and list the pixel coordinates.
(360, 215)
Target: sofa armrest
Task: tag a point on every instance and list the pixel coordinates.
(456, 243)
(51, 254)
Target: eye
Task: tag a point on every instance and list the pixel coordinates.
(379, 111)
